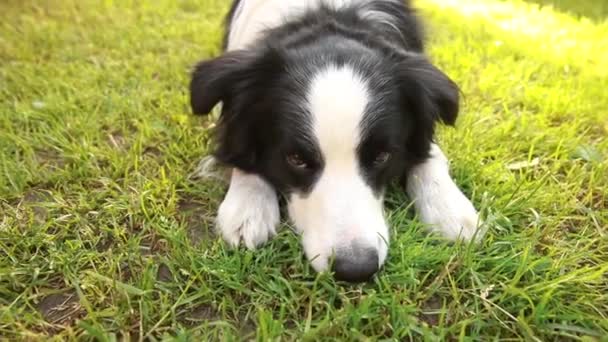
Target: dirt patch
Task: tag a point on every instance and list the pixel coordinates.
(200, 314)
(104, 244)
(61, 308)
(153, 152)
(207, 313)
(197, 219)
(151, 244)
(164, 273)
(35, 199)
(50, 158)
(203, 313)
(430, 312)
(247, 329)
(118, 141)
(595, 199)
(124, 272)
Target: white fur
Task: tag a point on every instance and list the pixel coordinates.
(252, 17)
(249, 212)
(341, 208)
(440, 204)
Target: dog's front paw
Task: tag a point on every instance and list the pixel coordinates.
(249, 212)
(452, 214)
(440, 203)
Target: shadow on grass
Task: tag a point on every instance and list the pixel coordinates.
(596, 10)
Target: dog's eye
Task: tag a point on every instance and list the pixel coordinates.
(296, 161)
(382, 158)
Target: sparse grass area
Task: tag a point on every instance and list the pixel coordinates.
(103, 235)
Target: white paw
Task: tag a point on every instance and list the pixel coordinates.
(452, 215)
(249, 212)
(440, 203)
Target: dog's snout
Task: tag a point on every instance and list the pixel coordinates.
(356, 264)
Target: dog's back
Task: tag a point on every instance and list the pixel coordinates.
(248, 20)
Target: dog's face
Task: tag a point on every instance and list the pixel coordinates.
(329, 130)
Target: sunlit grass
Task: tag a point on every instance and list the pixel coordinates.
(102, 233)
(558, 37)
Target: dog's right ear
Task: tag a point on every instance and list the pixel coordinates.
(236, 71)
(243, 81)
(212, 79)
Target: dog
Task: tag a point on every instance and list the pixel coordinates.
(324, 103)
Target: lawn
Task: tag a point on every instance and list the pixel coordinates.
(104, 235)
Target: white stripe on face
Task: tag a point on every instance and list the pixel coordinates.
(341, 210)
(337, 101)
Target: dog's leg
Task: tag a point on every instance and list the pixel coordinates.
(440, 204)
(250, 211)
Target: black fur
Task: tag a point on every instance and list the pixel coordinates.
(262, 89)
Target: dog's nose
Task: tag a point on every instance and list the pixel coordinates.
(356, 264)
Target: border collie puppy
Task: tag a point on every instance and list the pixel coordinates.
(325, 102)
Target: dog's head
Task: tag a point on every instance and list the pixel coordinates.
(329, 127)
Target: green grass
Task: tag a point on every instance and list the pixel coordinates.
(104, 235)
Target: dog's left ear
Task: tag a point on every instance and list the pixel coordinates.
(428, 91)
(428, 96)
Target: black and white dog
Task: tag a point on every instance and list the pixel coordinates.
(325, 102)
